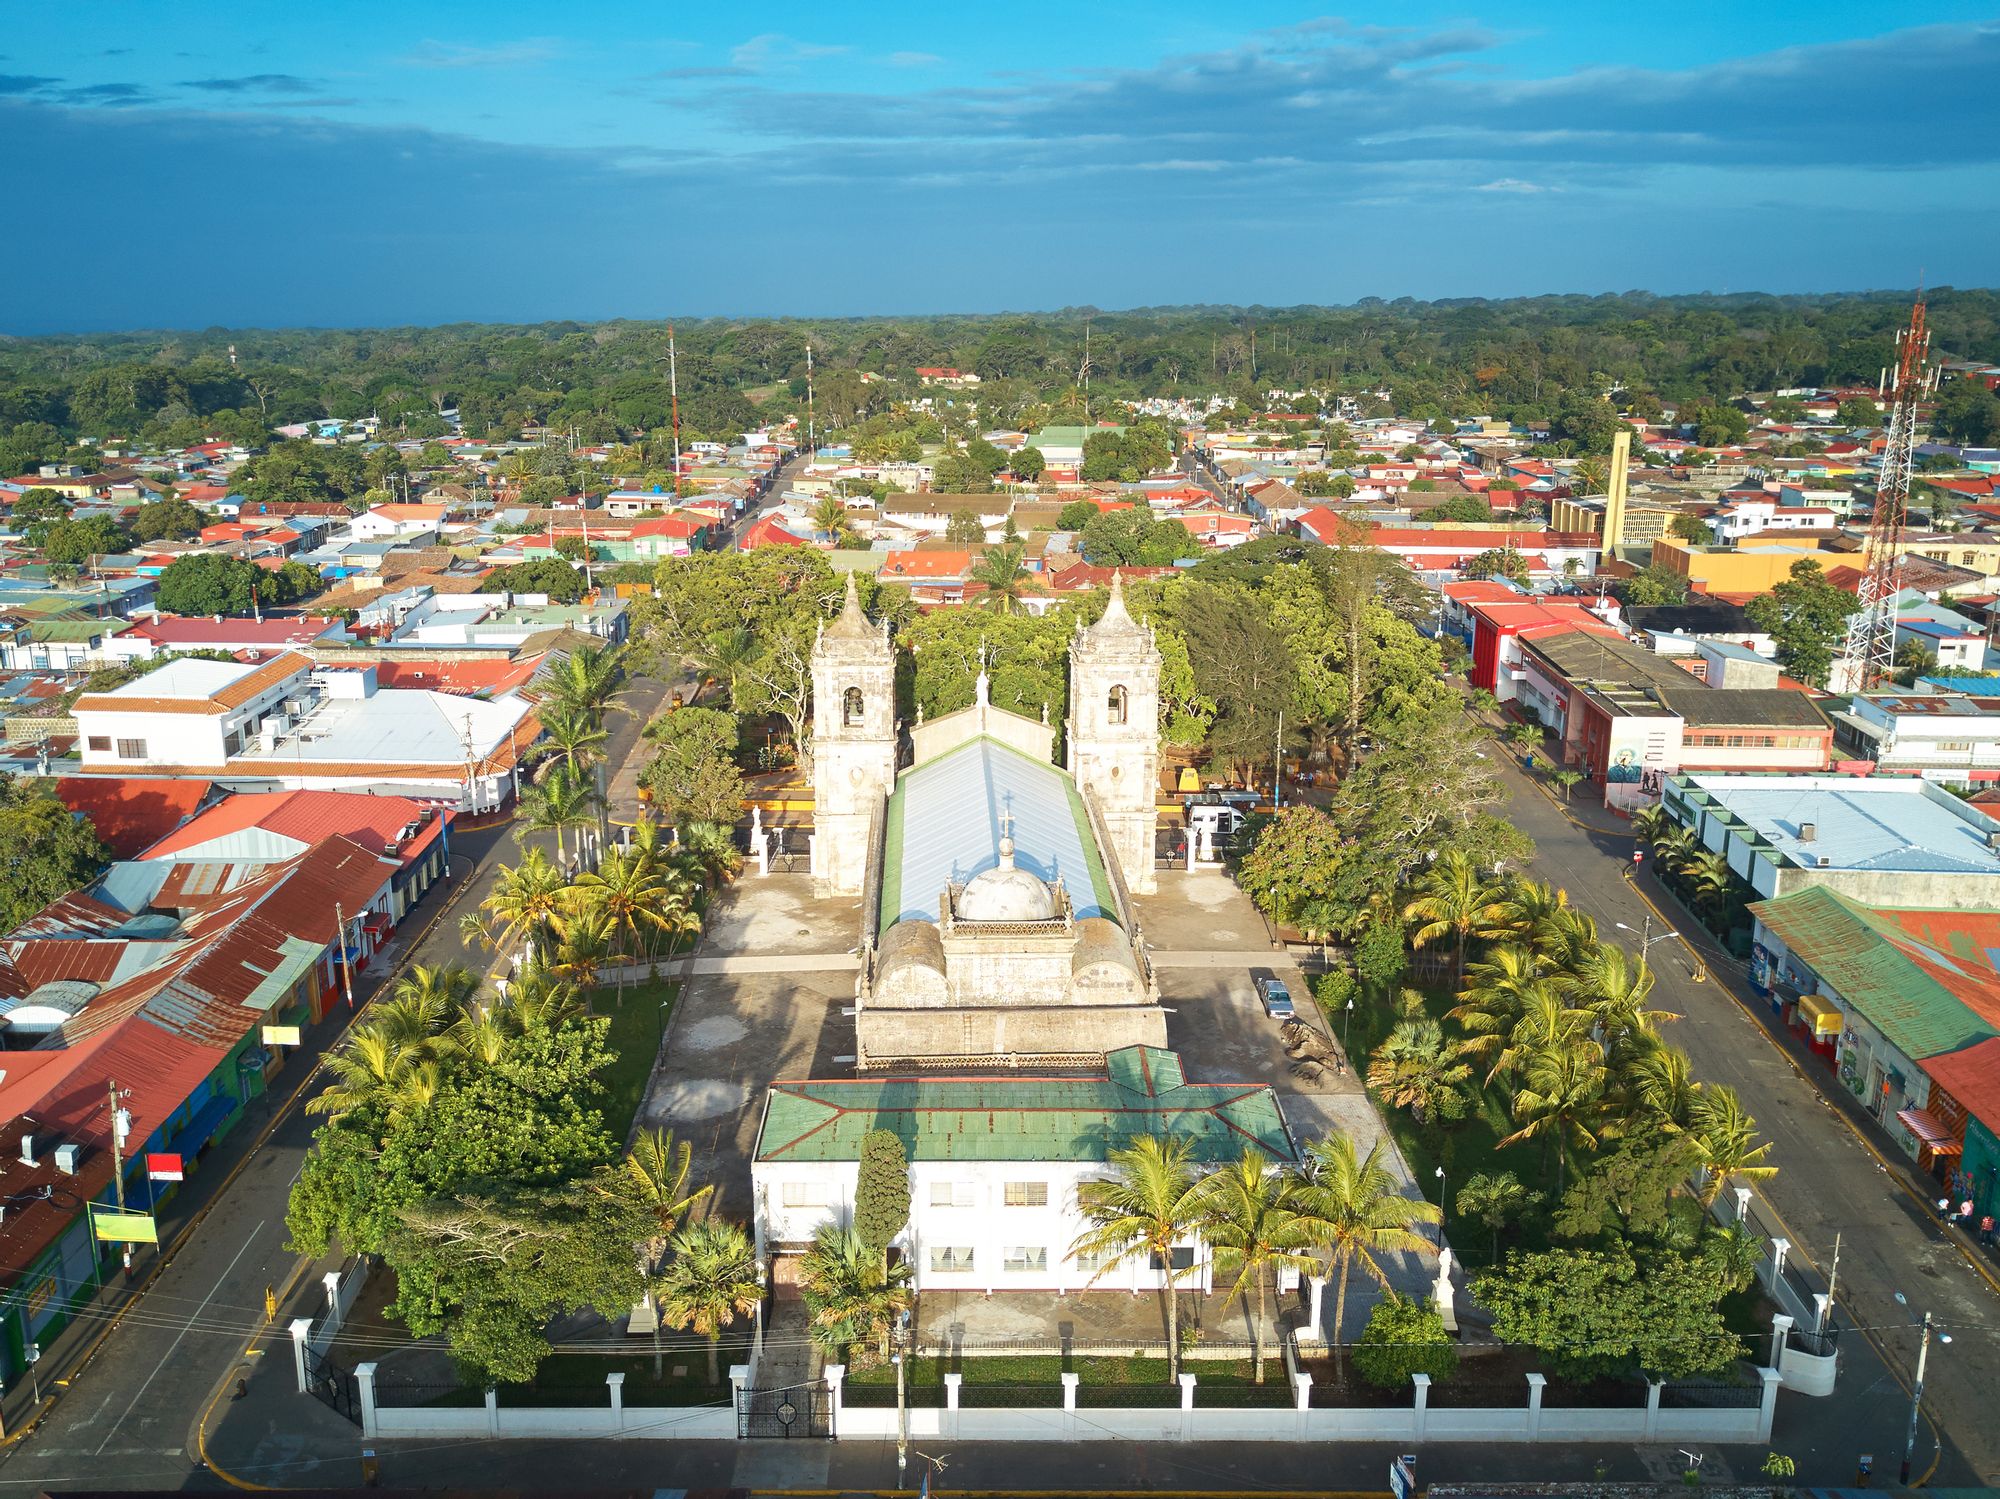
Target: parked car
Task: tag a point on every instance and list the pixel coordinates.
(1277, 999)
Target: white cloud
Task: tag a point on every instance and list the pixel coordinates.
(1512, 185)
(913, 59)
(436, 54)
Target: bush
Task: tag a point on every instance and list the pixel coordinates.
(1404, 1338)
(1333, 989)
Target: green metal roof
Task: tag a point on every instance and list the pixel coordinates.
(1907, 989)
(1142, 1092)
(296, 959)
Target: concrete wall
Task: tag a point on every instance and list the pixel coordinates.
(981, 1034)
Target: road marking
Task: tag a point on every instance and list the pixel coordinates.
(113, 1431)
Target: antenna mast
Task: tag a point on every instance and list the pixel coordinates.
(812, 438)
(674, 386)
(1871, 631)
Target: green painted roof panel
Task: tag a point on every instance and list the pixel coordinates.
(1144, 1092)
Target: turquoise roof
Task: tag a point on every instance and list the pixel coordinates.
(1143, 1092)
(944, 827)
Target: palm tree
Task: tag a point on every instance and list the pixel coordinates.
(851, 1297)
(1660, 1080)
(634, 895)
(588, 678)
(1492, 1199)
(1000, 570)
(1524, 736)
(1498, 991)
(657, 1169)
(565, 800)
(371, 1070)
(1248, 1219)
(1567, 779)
(1455, 900)
(1590, 476)
(588, 943)
(709, 1281)
(539, 1001)
(1711, 880)
(525, 901)
(575, 740)
(1726, 1144)
(1615, 987)
(1353, 1210)
(440, 987)
(1415, 1069)
(1559, 1097)
(710, 851)
(1152, 1204)
(1650, 823)
(830, 519)
(723, 658)
(1675, 848)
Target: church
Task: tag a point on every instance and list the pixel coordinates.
(997, 929)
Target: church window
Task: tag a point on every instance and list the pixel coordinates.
(1115, 705)
(957, 1258)
(1027, 1194)
(951, 1194)
(804, 1195)
(851, 708)
(1026, 1259)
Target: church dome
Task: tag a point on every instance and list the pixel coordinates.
(1005, 893)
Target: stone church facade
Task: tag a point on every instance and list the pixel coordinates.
(997, 926)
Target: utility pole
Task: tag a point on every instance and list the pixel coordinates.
(1917, 1399)
(812, 428)
(120, 1122)
(1278, 766)
(674, 387)
(340, 936)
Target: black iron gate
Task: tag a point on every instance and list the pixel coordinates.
(333, 1386)
(804, 1410)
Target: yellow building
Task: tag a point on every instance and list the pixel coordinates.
(1755, 565)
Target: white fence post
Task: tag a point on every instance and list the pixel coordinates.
(1779, 1249)
(1187, 1406)
(301, 1330)
(1315, 1305)
(615, 1381)
(835, 1376)
(1537, 1383)
(1302, 1390)
(364, 1383)
(1423, 1406)
(1768, 1407)
(951, 1384)
(1781, 1328)
(492, 1411)
(1653, 1388)
(1069, 1384)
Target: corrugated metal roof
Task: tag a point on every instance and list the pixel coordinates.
(1972, 1076)
(1917, 995)
(1893, 823)
(1143, 1093)
(944, 827)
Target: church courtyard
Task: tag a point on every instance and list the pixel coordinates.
(770, 996)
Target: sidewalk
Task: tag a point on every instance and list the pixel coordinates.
(92, 1322)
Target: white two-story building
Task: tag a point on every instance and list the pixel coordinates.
(995, 1164)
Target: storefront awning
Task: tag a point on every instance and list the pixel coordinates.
(1826, 1020)
(1932, 1135)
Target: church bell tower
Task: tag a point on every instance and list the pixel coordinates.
(1114, 733)
(854, 742)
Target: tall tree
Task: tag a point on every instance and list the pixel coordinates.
(1248, 1220)
(1354, 1210)
(882, 1192)
(711, 1279)
(1151, 1204)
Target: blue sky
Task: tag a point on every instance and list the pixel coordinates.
(359, 162)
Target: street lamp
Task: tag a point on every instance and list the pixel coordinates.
(1647, 939)
(1441, 1207)
(1916, 1390)
(1346, 1020)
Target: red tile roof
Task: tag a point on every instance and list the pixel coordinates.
(132, 812)
(1972, 1076)
(308, 816)
(767, 532)
(189, 633)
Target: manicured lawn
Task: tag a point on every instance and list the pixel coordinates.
(636, 1026)
(1122, 1381)
(577, 1379)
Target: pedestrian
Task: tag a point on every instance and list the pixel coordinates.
(1986, 1230)
(1965, 1215)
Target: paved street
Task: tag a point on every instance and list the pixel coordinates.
(130, 1416)
(1830, 1182)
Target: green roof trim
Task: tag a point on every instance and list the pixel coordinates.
(892, 861)
(1867, 960)
(297, 959)
(1100, 882)
(1143, 1092)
